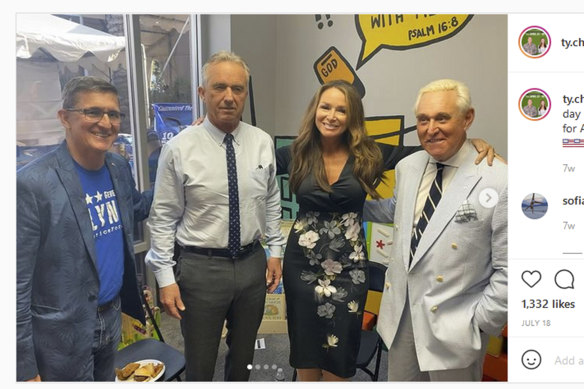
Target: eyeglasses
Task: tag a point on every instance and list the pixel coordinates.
(95, 114)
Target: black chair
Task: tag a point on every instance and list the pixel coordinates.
(149, 348)
(371, 344)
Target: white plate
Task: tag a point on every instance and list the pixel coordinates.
(142, 363)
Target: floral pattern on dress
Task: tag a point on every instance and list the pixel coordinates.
(333, 247)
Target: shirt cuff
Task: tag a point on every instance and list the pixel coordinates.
(276, 251)
(165, 277)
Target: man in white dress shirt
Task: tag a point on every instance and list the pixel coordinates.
(200, 206)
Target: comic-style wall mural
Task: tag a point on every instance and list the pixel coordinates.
(387, 57)
(376, 32)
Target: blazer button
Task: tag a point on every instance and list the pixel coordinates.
(454, 246)
(440, 278)
(396, 226)
(434, 309)
(387, 285)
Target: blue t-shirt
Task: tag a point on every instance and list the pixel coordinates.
(108, 235)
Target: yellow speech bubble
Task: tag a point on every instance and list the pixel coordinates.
(404, 31)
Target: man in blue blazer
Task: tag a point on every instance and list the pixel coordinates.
(446, 282)
(76, 208)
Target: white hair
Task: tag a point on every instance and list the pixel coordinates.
(462, 93)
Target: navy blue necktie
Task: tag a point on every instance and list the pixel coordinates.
(432, 201)
(234, 242)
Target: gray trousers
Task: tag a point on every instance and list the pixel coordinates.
(215, 289)
(403, 362)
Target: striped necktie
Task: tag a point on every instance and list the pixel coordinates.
(234, 242)
(432, 201)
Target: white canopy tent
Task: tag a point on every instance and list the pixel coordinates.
(64, 40)
(45, 45)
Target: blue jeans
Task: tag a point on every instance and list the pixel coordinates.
(107, 336)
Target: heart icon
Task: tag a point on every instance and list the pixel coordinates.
(531, 278)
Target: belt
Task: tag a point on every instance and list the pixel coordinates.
(243, 251)
(106, 306)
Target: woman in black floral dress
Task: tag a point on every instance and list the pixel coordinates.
(333, 165)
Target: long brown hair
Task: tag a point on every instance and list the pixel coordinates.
(307, 148)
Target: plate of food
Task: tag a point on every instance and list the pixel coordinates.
(146, 370)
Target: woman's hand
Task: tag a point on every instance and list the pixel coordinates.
(485, 150)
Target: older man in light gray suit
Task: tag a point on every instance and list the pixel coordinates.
(446, 283)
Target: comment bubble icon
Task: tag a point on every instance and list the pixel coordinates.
(564, 279)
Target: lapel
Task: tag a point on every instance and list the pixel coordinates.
(114, 170)
(412, 177)
(70, 180)
(460, 187)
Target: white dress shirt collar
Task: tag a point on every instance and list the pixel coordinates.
(219, 135)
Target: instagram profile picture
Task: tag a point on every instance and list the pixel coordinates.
(534, 206)
(534, 104)
(534, 41)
